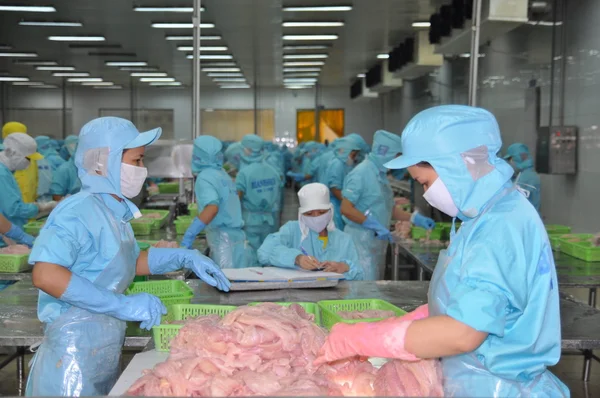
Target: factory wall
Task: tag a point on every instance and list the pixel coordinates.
(85, 103)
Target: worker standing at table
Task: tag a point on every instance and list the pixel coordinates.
(65, 180)
(312, 242)
(47, 166)
(86, 256)
(219, 208)
(367, 205)
(493, 314)
(27, 179)
(525, 175)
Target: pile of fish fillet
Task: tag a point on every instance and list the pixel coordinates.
(15, 249)
(269, 350)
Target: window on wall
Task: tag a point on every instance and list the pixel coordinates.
(43, 121)
(331, 125)
(234, 124)
(147, 119)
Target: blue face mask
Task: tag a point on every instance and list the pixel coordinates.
(399, 174)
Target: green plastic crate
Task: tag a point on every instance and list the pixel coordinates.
(438, 233)
(554, 229)
(555, 240)
(170, 292)
(584, 250)
(311, 308)
(34, 227)
(164, 333)
(143, 245)
(142, 226)
(14, 263)
(157, 223)
(182, 225)
(565, 241)
(330, 308)
(193, 208)
(140, 278)
(168, 187)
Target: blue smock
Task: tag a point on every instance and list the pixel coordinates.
(526, 176)
(11, 200)
(281, 249)
(65, 180)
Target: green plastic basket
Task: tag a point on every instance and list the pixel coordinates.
(164, 333)
(34, 227)
(330, 308)
(143, 245)
(554, 229)
(437, 233)
(584, 250)
(170, 292)
(157, 223)
(142, 226)
(311, 308)
(140, 278)
(193, 208)
(168, 187)
(14, 263)
(555, 240)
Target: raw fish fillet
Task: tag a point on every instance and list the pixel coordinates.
(410, 379)
(366, 314)
(15, 249)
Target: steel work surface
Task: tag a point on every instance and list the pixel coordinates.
(19, 325)
(571, 271)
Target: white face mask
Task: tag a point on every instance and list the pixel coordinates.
(319, 223)
(132, 179)
(21, 164)
(439, 197)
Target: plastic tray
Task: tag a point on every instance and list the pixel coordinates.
(311, 308)
(157, 222)
(14, 263)
(163, 334)
(168, 187)
(582, 250)
(33, 228)
(142, 226)
(554, 229)
(330, 308)
(170, 292)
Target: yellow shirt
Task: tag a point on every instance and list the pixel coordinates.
(325, 240)
(27, 180)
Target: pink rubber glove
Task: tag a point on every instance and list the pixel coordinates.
(421, 312)
(367, 339)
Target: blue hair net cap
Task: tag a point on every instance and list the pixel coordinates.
(207, 153)
(253, 142)
(520, 155)
(386, 144)
(44, 144)
(360, 141)
(344, 146)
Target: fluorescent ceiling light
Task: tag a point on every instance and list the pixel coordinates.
(20, 55)
(217, 74)
(76, 38)
(468, 55)
(33, 63)
(157, 84)
(306, 47)
(28, 8)
(148, 74)
(139, 68)
(97, 84)
(45, 86)
(301, 75)
(310, 37)
(166, 9)
(421, 24)
(287, 70)
(125, 63)
(383, 56)
(49, 23)
(297, 87)
(28, 84)
(55, 68)
(212, 64)
(221, 69)
(300, 81)
(157, 79)
(13, 79)
(303, 63)
(180, 25)
(361, 75)
(205, 48)
(84, 79)
(71, 74)
(312, 24)
(227, 86)
(229, 80)
(305, 56)
(189, 38)
(207, 56)
(317, 8)
(115, 87)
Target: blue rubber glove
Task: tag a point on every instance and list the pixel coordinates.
(190, 235)
(382, 233)
(17, 234)
(420, 220)
(142, 307)
(298, 177)
(161, 261)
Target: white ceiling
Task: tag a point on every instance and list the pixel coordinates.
(250, 28)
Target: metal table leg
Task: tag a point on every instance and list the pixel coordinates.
(592, 297)
(21, 370)
(395, 262)
(421, 273)
(587, 365)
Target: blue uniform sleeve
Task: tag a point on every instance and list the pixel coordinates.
(206, 193)
(335, 174)
(355, 273)
(492, 278)
(60, 181)
(240, 182)
(353, 186)
(11, 201)
(278, 249)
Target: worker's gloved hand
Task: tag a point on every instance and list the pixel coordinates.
(369, 339)
(420, 220)
(298, 177)
(190, 234)
(142, 307)
(161, 261)
(46, 207)
(382, 232)
(17, 234)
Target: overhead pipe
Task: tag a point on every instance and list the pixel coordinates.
(474, 59)
(196, 112)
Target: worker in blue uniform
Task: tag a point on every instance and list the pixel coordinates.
(259, 187)
(365, 149)
(525, 176)
(219, 209)
(312, 242)
(493, 314)
(47, 166)
(86, 256)
(233, 154)
(65, 180)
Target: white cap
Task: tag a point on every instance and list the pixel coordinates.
(314, 196)
(21, 144)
